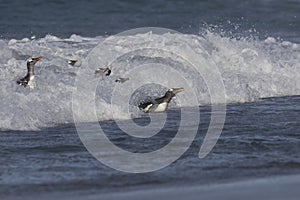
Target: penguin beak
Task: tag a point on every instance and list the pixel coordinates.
(37, 59)
(177, 90)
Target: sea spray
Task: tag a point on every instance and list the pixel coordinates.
(251, 69)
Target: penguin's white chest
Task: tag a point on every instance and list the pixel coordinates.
(31, 82)
(161, 107)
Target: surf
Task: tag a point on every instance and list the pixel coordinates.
(251, 69)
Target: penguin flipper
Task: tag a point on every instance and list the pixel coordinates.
(22, 82)
(145, 107)
(108, 72)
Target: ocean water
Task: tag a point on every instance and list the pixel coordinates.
(93, 18)
(253, 46)
(260, 139)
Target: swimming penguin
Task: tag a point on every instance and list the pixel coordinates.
(121, 80)
(160, 104)
(28, 79)
(72, 62)
(103, 70)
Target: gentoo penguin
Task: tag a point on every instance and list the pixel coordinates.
(72, 62)
(103, 70)
(28, 79)
(121, 80)
(160, 104)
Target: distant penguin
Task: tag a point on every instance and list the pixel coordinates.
(160, 104)
(72, 62)
(28, 79)
(121, 80)
(102, 70)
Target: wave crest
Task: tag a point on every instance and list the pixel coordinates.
(251, 69)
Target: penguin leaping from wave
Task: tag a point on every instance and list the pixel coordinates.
(72, 62)
(121, 80)
(28, 79)
(102, 70)
(160, 104)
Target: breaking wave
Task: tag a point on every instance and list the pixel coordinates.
(251, 69)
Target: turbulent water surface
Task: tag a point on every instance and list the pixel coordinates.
(253, 45)
(259, 139)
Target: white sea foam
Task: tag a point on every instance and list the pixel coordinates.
(251, 69)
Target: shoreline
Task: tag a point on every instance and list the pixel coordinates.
(276, 188)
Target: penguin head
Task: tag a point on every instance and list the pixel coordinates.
(172, 92)
(175, 90)
(32, 61)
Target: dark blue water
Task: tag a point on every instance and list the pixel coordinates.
(260, 139)
(61, 18)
